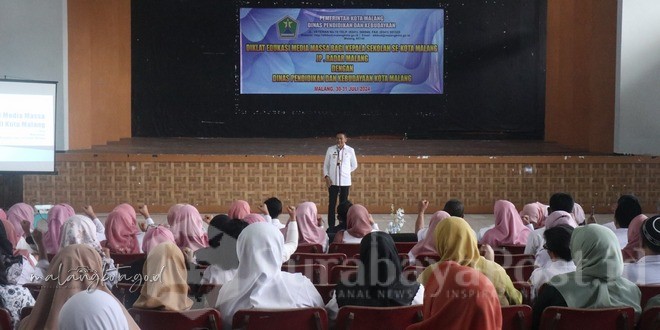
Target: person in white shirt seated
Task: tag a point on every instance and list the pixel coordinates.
(558, 202)
(259, 281)
(453, 207)
(534, 214)
(647, 269)
(358, 224)
(271, 209)
(557, 244)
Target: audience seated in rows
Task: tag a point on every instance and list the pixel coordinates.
(597, 281)
(561, 204)
(455, 241)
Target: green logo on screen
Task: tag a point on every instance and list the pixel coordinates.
(287, 28)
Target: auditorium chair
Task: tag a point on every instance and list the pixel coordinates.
(205, 318)
(650, 319)
(354, 261)
(328, 260)
(510, 260)
(349, 249)
(513, 248)
(316, 273)
(518, 317)
(347, 273)
(326, 291)
(309, 248)
(648, 291)
(5, 319)
(404, 247)
(127, 259)
(377, 318)
(525, 289)
(281, 319)
(617, 318)
(426, 259)
(520, 273)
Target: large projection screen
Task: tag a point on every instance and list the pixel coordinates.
(341, 51)
(27, 126)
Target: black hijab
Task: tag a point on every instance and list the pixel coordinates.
(379, 282)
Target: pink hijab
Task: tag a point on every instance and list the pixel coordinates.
(3, 215)
(427, 245)
(171, 213)
(239, 210)
(17, 213)
(509, 228)
(57, 216)
(310, 232)
(187, 227)
(536, 212)
(578, 213)
(634, 238)
(121, 233)
(125, 207)
(357, 221)
(251, 218)
(155, 236)
(557, 218)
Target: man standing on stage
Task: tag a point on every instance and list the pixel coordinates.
(340, 161)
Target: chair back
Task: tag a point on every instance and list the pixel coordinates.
(404, 247)
(281, 319)
(513, 248)
(650, 319)
(348, 249)
(648, 291)
(377, 318)
(518, 317)
(207, 318)
(328, 260)
(127, 259)
(316, 273)
(520, 273)
(343, 273)
(309, 248)
(5, 319)
(617, 318)
(512, 260)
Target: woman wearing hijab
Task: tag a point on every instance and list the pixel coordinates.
(427, 244)
(259, 282)
(186, 226)
(633, 250)
(166, 280)
(253, 218)
(379, 282)
(556, 218)
(646, 270)
(94, 310)
(121, 235)
(309, 230)
(358, 223)
(509, 228)
(76, 268)
(57, 215)
(597, 281)
(628, 214)
(455, 241)
(239, 209)
(17, 214)
(13, 297)
(19, 263)
(155, 235)
(459, 297)
(534, 214)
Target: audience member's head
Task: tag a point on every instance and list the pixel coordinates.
(459, 297)
(558, 240)
(274, 207)
(427, 245)
(17, 214)
(628, 207)
(239, 209)
(57, 215)
(534, 213)
(561, 202)
(358, 221)
(121, 233)
(308, 228)
(253, 218)
(557, 218)
(154, 236)
(342, 210)
(92, 310)
(223, 234)
(578, 214)
(454, 207)
(651, 235)
(187, 228)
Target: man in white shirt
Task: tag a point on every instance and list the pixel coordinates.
(271, 209)
(647, 269)
(339, 162)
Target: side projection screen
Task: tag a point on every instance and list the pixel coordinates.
(341, 51)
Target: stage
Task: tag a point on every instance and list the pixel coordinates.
(392, 172)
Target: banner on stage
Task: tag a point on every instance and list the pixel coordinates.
(341, 51)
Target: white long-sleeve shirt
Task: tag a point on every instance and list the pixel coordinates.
(336, 159)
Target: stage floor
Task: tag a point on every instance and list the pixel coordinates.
(375, 146)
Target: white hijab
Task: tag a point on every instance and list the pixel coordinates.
(259, 282)
(92, 310)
